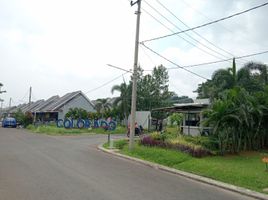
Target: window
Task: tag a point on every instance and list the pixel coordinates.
(192, 119)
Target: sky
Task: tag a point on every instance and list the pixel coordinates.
(57, 46)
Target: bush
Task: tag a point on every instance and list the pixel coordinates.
(149, 141)
(206, 142)
(120, 144)
(158, 136)
(178, 144)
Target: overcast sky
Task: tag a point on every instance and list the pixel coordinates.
(60, 46)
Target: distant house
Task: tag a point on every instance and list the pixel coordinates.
(55, 107)
(192, 116)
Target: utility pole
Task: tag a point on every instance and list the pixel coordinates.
(134, 86)
(10, 102)
(30, 96)
(1, 113)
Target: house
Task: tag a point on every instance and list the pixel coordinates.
(192, 116)
(55, 107)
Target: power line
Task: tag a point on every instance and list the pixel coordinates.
(181, 36)
(224, 60)
(149, 57)
(208, 18)
(200, 76)
(169, 11)
(209, 23)
(207, 47)
(106, 83)
(120, 68)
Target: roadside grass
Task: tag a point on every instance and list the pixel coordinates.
(53, 130)
(245, 170)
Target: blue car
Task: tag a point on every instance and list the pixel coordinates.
(9, 122)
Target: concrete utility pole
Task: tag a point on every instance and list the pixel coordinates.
(10, 102)
(134, 81)
(30, 96)
(1, 100)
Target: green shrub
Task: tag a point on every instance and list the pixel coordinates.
(158, 136)
(120, 144)
(206, 142)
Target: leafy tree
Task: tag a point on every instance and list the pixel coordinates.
(252, 76)
(176, 118)
(19, 116)
(153, 91)
(238, 120)
(180, 99)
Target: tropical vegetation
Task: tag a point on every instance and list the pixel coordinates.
(239, 109)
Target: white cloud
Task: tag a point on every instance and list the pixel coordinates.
(58, 46)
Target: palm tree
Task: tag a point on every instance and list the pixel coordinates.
(252, 76)
(123, 102)
(103, 105)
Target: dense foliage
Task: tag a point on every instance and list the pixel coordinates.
(152, 92)
(77, 113)
(23, 119)
(239, 107)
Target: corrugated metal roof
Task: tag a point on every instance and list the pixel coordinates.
(43, 106)
(61, 101)
(32, 106)
(203, 103)
(53, 104)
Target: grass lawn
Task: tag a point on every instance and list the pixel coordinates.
(244, 170)
(53, 130)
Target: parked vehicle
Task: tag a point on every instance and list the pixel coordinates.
(9, 122)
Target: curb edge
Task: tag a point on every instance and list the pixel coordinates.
(195, 177)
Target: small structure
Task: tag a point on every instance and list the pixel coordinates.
(143, 118)
(192, 116)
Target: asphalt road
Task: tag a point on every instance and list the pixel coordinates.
(40, 167)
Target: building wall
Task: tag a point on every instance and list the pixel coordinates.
(143, 118)
(78, 102)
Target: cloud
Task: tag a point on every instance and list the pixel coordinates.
(59, 46)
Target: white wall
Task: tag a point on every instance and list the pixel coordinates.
(142, 118)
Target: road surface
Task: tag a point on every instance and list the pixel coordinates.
(40, 167)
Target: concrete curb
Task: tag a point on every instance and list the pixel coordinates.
(209, 181)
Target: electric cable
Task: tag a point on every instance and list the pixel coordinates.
(178, 66)
(204, 51)
(224, 60)
(211, 43)
(206, 24)
(208, 18)
(106, 83)
(207, 47)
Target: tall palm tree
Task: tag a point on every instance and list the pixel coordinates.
(252, 76)
(103, 105)
(123, 102)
